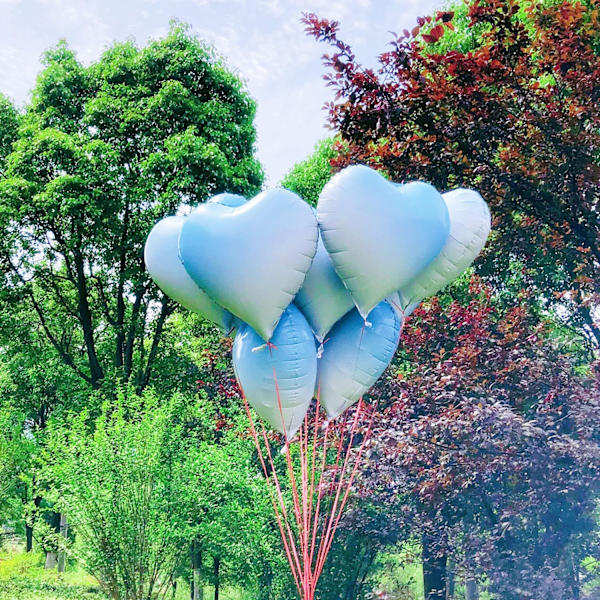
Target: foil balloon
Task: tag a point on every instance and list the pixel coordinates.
(251, 259)
(470, 225)
(379, 235)
(403, 310)
(323, 298)
(161, 256)
(355, 355)
(278, 379)
(228, 199)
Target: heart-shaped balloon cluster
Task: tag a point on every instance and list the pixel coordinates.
(318, 300)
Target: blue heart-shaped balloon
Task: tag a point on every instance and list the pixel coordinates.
(161, 256)
(323, 298)
(355, 354)
(379, 235)
(278, 379)
(251, 259)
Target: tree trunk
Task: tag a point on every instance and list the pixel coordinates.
(450, 579)
(265, 583)
(434, 571)
(51, 559)
(28, 538)
(197, 593)
(575, 583)
(62, 553)
(216, 565)
(85, 317)
(51, 548)
(164, 313)
(29, 528)
(471, 590)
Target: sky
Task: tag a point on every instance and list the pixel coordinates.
(262, 40)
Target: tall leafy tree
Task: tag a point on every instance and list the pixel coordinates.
(9, 123)
(308, 177)
(507, 105)
(102, 153)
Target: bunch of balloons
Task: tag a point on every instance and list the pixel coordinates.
(316, 300)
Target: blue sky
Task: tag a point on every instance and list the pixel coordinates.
(262, 40)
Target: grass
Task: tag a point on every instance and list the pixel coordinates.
(23, 577)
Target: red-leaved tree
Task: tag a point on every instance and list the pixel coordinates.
(507, 105)
(493, 439)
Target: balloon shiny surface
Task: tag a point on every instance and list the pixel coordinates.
(355, 355)
(252, 259)
(287, 369)
(379, 235)
(161, 256)
(470, 225)
(323, 299)
(228, 199)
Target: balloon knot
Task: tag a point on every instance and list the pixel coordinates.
(268, 345)
(320, 350)
(284, 449)
(368, 323)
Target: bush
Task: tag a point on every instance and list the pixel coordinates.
(121, 488)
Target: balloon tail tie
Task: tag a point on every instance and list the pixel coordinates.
(268, 345)
(322, 347)
(395, 305)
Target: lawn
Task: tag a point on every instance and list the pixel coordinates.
(23, 577)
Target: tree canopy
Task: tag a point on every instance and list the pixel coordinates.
(102, 152)
(308, 177)
(507, 105)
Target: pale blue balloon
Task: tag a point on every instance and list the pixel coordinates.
(323, 298)
(161, 256)
(355, 354)
(252, 257)
(379, 235)
(286, 367)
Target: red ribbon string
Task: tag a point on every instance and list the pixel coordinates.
(319, 491)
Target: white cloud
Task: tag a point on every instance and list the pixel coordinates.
(262, 39)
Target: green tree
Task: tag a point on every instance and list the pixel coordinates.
(9, 123)
(147, 478)
(233, 534)
(103, 152)
(231, 514)
(14, 455)
(119, 480)
(35, 385)
(308, 177)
